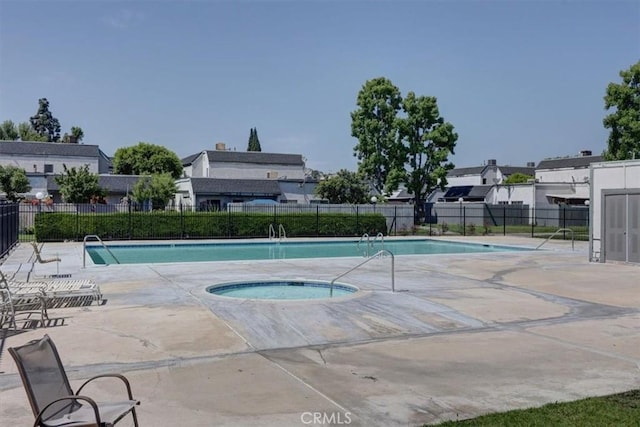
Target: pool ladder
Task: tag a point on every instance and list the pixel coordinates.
(84, 249)
(378, 254)
(281, 233)
(370, 243)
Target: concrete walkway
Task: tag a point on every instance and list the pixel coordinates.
(462, 335)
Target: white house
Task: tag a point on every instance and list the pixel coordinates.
(489, 174)
(614, 230)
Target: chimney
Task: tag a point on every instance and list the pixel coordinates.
(531, 164)
(585, 153)
(220, 146)
(491, 162)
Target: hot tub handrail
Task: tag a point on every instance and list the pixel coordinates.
(84, 249)
(377, 254)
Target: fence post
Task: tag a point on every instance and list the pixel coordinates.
(533, 220)
(317, 221)
(395, 221)
(464, 220)
(358, 231)
(504, 220)
(564, 221)
(130, 219)
(181, 222)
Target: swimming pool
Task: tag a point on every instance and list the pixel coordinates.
(282, 290)
(195, 252)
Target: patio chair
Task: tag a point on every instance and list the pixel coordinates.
(57, 289)
(29, 301)
(50, 395)
(40, 260)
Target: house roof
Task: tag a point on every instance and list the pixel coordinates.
(467, 191)
(510, 170)
(474, 170)
(235, 186)
(569, 162)
(113, 183)
(256, 157)
(49, 149)
(186, 161)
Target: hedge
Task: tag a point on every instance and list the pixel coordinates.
(54, 226)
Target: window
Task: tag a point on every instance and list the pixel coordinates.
(48, 168)
(484, 181)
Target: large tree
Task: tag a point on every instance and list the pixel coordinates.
(8, 131)
(146, 159)
(624, 122)
(344, 187)
(28, 133)
(79, 185)
(374, 124)
(254, 141)
(44, 123)
(159, 188)
(13, 181)
(428, 140)
(75, 137)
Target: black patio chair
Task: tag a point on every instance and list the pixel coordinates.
(53, 401)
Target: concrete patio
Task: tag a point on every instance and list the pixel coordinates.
(462, 335)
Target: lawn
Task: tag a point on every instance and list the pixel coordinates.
(621, 409)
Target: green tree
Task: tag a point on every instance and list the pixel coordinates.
(146, 159)
(28, 133)
(44, 123)
(254, 141)
(374, 124)
(428, 140)
(624, 122)
(75, 137)
(518, 178)
(159, 188)
(13, 181)
(8, 131)
(78, 185)
(344, 187)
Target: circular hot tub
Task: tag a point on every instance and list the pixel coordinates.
(298, 289)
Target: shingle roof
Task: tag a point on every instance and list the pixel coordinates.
(49, 149)
(569, 162)
(510, 170)
(474, 170)
(114, 183)
(186, 161)
(255, 157)
(235, 186)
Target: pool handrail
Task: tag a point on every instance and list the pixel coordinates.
(555, 233)
(376, 255)
(381, 236)
(84, 249)
(365, 235)
(281, 233)
(272, 232)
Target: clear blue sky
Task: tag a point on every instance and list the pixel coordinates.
(519, 80)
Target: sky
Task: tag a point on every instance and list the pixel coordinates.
(520, 81)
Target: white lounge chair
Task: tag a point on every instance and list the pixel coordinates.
(57, 289)
(25, 300)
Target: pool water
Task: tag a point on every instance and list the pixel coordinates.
(282, 290)
(194, 252)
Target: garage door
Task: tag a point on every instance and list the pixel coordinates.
(622, 227)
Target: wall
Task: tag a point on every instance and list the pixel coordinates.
(608, 176)
(563, 175)
(229, 170)
(27, 163)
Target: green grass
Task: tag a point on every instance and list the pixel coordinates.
(618, 410)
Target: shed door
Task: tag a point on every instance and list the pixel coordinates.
(615, 227)
(634, 227)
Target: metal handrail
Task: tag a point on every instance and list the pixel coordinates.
(377, 254)
(555, 233)
(84, 249)
(365, 235)
(272, 232)
(381, 236)
(281, 233)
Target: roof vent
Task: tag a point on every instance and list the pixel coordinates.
(491, 162)
(585, 153)
(221, 146)
(531, 164)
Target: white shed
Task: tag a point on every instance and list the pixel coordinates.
(614, 228)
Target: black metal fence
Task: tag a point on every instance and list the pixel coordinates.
(440, 218)
(9, 227)
(482, 218)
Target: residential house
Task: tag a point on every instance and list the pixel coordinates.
(214, 178)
